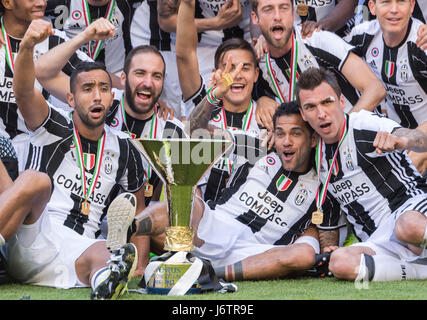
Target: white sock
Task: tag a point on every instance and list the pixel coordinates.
(2, 241)
(99, 277)
(388, 268)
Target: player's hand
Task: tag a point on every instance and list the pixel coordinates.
(308, 27)
(266, 107)
(268, 139)
(229, 15)
(99, 29)
(217, 78)
(260, 46)
(329, 249)
(164, 111)
(386, 142)
(422, 37)
(37, 32)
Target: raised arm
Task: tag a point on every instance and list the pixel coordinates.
(401, 139)
(30, 101)
(229, 15)
(372, 91)
(186, 50)
(202, 113)
(49, 66)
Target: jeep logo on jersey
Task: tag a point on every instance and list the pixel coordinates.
(301, 197)
(283, 183)
(108, 165)
(89, 160)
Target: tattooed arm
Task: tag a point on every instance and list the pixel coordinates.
(401, 139)
(328, 240)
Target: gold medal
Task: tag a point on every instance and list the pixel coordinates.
(302, 10)
(317, 217)
(85, 208)
(227, 79)
(148, 190)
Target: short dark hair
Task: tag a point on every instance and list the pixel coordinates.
(142, 49)
(233, 44)
(86, 66)
(286, 109)
(312, 78)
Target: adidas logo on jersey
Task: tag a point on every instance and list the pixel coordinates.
(373, 65)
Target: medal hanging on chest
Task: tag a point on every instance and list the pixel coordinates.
(317, 216)
(87, 191)
(94, 47)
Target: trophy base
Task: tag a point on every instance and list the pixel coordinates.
(179, 238)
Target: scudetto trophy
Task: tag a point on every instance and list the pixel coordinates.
(180, 164)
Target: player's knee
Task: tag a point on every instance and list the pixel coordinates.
(342, 264)
(35, 183)
(409, 227)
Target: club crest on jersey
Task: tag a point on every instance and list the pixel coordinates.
(349, 162)
(270, 160)
(108, 165)
(89, 160)
(389, 68)
(404, 72)
(283, 183)
(301, 196)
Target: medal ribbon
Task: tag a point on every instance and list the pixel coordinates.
(153, 135)
(7, 47)
(292, 76)
(98, 43)
(98, 161)
(321, 194)
(245, 126)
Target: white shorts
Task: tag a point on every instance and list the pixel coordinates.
(44, 254)
(21, 144)
(227, 240)
(384, 241)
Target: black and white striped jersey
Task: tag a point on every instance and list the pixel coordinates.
(317, 10)
(11, 122)
(402, 70)
(369, 186)
(53, 151)
(152, 127)
(314, 51)
(145, 29)
(71, 16)
(213, 38)
(363, 14)
(276, 204)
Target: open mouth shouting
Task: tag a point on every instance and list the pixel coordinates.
(97, 111)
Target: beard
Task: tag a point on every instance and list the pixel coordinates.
(84, 116)
(130, 95)
(278, 44)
